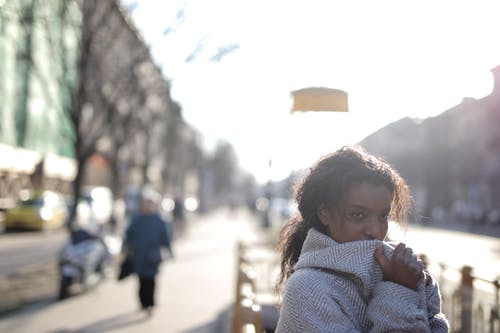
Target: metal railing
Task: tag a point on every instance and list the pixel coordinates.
(470, 302)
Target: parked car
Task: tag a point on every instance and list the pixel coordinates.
(46, 210)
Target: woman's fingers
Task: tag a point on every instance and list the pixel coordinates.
(404, 254)
(380, 256)
(403, 268)
(399, 251)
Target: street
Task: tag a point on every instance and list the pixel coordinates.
(195, 289)
(19, 250)
(28, 267)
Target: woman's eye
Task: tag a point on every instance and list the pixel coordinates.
(357, 215)
(384, 217)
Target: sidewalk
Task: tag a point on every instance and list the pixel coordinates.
(194, 290)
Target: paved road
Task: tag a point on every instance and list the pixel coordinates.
(19, 250)
(28, 267)
(195, 290)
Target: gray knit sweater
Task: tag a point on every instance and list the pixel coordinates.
(338, 287)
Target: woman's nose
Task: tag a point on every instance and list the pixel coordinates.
(375, 229)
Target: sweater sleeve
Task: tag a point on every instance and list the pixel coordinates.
(308, 307)
(437, 320)
(394, 308)
(397, 308)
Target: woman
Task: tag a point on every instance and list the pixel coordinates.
(146, 235)
(339, 274)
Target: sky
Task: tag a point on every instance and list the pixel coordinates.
(395, 59)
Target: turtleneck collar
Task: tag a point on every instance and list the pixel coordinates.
(355, 259)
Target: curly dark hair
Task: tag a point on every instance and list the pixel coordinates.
(327, 183)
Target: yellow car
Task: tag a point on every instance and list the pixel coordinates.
(46, 211)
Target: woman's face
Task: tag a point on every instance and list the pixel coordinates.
(148, 206)
(362, 215)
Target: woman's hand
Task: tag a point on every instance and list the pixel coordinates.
(403, 268)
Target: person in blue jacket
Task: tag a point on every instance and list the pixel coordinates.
(146, 235)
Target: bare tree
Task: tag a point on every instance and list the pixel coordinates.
(110, 95)
(106, 93)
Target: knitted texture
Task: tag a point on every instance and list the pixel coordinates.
(339, 287)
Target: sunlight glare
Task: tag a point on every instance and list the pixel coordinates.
(395, 59)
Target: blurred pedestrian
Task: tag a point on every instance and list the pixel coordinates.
(179, 216)
(338, 273)
(145, 236)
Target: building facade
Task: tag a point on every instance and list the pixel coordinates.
(54, 52)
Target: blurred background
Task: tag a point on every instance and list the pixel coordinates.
(103, 100)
